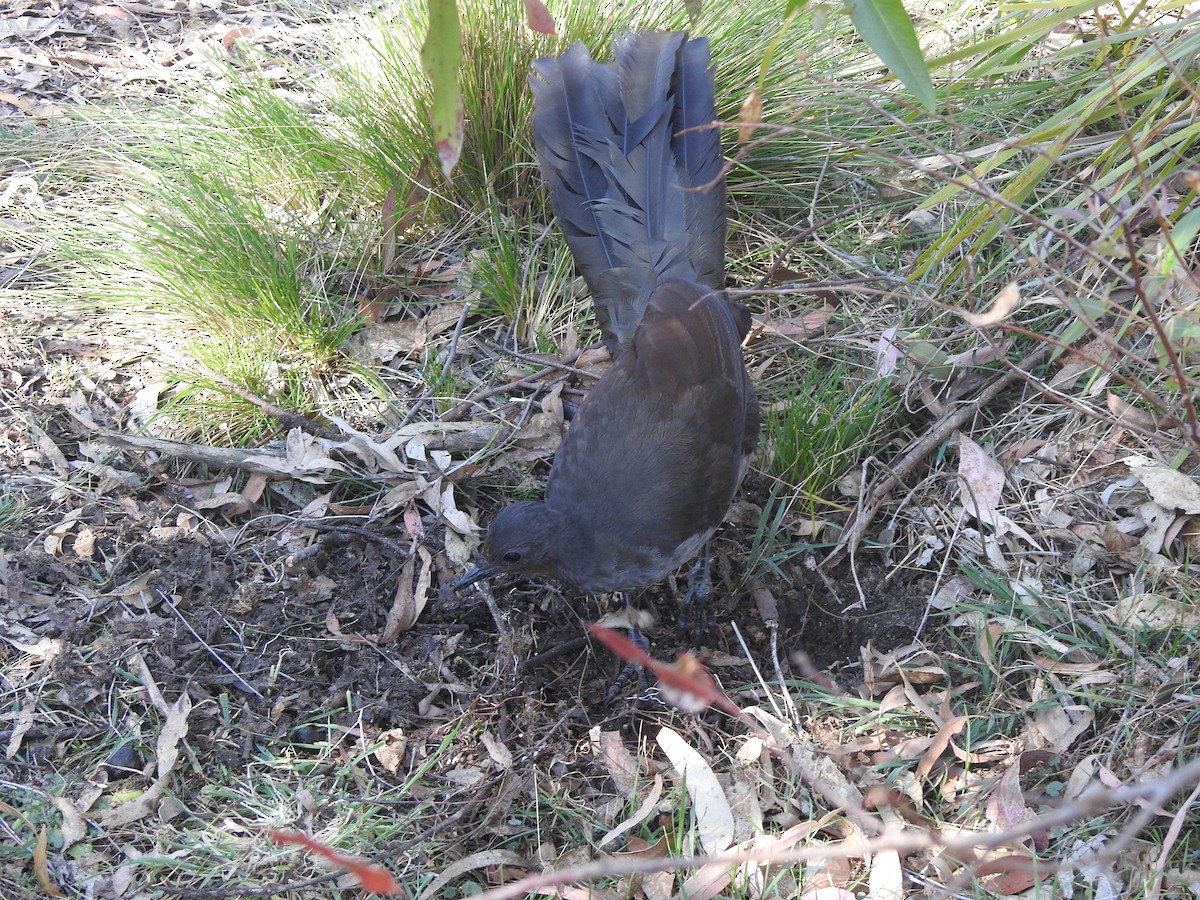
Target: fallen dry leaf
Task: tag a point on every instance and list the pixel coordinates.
(1168, 487)
(714, 818)
(1128, 414)
(622, 768)
(1006, 806)
(808, 325)
(497, 751)
(173, 731)
(390, 752)
(412, 594)
(749, 116)
(647, 808)
(1006, 301)
(886, 881)
(1154, 612)
(41, 868)
(980, 481)
(941, 741)
(538, 18)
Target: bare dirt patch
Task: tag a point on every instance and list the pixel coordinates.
(280, 617)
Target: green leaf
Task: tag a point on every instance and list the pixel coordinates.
(886, 28)
(1182, 234)
(441, 57)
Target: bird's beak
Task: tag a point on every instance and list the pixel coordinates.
(477, 573)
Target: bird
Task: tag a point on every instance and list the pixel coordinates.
(649, 466)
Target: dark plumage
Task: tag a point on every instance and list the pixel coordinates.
(638, 201)
(650, 465)
(651, 462)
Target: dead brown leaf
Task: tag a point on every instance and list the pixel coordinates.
(173, 731)
(620, 764)
(749, 116)
(412, 594)
(538, 18)
(1006, 301)
(41, 868)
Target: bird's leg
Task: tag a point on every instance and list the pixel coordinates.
(694, 614)
(630, 668)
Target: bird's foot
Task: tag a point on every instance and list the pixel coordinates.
(694, 614)
(630, 669)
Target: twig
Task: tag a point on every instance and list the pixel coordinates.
(918, 449)
(218, 457)
(286, 418)
(528, 381)
(458, 328)
(230, 891)
(454, 441)
(562, 648)
(757, 673)
(1091, 802)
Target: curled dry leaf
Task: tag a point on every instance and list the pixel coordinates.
(941, 741)
(1057, 728)
(41, 867)
(714, 818)
(887, 353)
(749, 116)
(174, 729)
(765, 601)
(412, 594)
(808, 325)
(1129, 415)
(485, 859)
(1168, 487)
(74, 826)
(404, 337)
(538, 18)
(497, 750)
(645, 810)
(233, 35)
(393, 745)
(305, 459)
(1006, 301)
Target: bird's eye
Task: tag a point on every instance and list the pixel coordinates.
(512, 556)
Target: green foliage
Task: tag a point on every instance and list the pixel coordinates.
(821, 425)
(210, 403)
(441, 57)
(887, 29)
(10, 511)
(522, 274)
(218, 256)
(443, 381)
(1119, 96)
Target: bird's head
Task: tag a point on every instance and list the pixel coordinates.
(524, 539)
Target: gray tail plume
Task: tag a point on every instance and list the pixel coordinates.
(639, 202)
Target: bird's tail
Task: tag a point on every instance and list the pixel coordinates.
(638, 188)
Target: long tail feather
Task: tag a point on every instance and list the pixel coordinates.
(638, 201)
